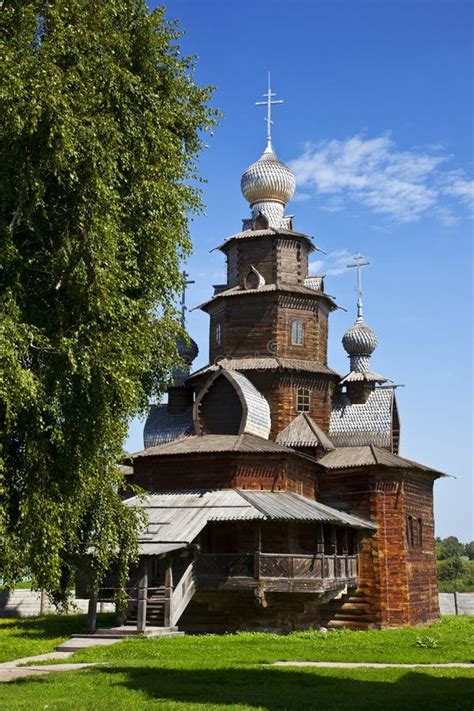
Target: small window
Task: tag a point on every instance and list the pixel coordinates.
(410, 532)
(218, 334)
(297, 331)
(302, 400)
(420, 533)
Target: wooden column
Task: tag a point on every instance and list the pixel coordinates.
(345, 550)
(142, 596)
(92, 610)
(258, 550)
(334, 548)
(320, 547)
(168, 593)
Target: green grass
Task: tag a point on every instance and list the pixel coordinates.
(22, 585)
(38, 635)
(232, 672)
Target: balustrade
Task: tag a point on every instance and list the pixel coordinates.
(276, 565)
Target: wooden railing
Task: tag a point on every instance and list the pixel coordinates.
(181, 595)
(275, 565)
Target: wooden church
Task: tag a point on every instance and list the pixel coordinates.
(277, 497)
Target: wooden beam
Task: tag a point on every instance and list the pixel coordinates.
(142, 596)
(320, 539)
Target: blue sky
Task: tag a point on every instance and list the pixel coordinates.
(377, 125)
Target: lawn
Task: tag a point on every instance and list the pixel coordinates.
(37, 635)
(232, 672)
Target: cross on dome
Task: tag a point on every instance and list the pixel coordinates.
(268, 184)
(358, 264)
(269, 103)
(359, 341)
(184, 308)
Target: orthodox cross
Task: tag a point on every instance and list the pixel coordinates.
(359, 263)
(184, 308)
(269, 103)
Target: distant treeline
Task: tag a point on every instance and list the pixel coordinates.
(455, 563)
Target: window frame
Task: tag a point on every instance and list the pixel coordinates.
(297, 333)
(303, 400)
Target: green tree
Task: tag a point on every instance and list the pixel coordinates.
(451, 569)
(449, 547)
(469, 550)
(101, 126)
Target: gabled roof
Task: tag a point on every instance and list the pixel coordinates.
(304, 432)
(364, 423)
(210, 444)
(370, 456)
(265, 363)
(175, 518)
(161, 427)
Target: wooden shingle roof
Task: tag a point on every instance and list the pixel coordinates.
(304, 432)
(370, 456)
(217, 443)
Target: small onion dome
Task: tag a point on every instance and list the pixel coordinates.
(359, 340)
(187, 350)
(268, 179)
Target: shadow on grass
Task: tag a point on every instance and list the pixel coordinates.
(51, 626)
(328, 690)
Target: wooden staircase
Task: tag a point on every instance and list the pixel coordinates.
(352, 609)
(155, 609)
(165, 603)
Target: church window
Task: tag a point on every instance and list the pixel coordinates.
(297, 331)
(302, 400)
(218, 335)
(420, 533)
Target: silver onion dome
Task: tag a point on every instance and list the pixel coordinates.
(187, 350)
(359, 339)
(268, 185)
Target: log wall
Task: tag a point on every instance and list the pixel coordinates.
(265, 472)
(232, 611)
(397, 584)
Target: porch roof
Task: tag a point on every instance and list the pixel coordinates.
(175, 518)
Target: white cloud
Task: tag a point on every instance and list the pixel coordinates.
(403, 185)
(332, 264)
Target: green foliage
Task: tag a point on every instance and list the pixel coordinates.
(469, 550)
(426, 642)
(456, 574)
(449, 547)
(100, 128)
(451, 569)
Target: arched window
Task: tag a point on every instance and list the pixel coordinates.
(297, 333)
(302, 400)
(218, 335)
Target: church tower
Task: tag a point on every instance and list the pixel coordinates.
(270, 319)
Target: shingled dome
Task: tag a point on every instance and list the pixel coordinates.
(360, 339)
(187, 350)
(231, 404)
(268, 184)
